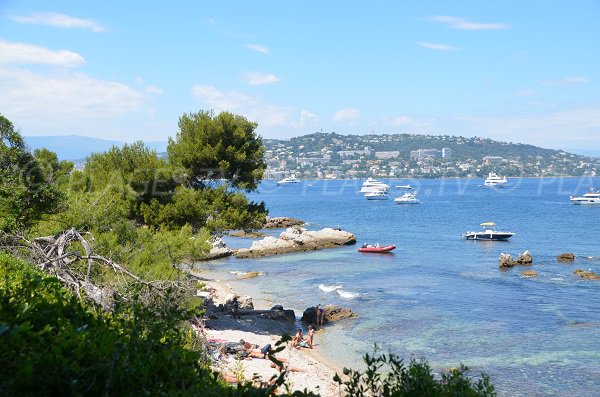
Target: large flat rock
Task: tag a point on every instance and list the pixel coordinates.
(297, 239)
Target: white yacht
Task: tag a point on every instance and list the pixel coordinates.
(494, 180)
(289, 180)
(405, 187)
(489, 233)
(407, 198)
(377, 195)
(590, 198)
(373, 185)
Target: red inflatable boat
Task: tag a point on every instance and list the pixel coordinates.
(376, 248)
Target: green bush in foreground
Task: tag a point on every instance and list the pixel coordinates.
(52, 343)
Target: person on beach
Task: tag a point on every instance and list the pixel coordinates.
(310, 336)
(320, 315)
(297, 339)
(235, 307)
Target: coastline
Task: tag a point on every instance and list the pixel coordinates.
(317, 369)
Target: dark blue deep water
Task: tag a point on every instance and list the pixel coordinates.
(444, 298)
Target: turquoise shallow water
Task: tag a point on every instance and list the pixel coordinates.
(441, 297)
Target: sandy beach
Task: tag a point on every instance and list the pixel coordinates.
(316, 373)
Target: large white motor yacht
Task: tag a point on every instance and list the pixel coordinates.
(590, 198)
(289, 180)
(377, 195)
(373, 185)
(494, 180)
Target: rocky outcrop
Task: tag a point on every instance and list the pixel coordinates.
(587, 275)
(245, 302)
(297, 239)
(506, 261)
(332, 313)
(281, 222)
(219, 250)
(566, 257)
(529, 273)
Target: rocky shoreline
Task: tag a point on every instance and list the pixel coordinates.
(261, 326)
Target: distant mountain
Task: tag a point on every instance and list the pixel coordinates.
(77, 147)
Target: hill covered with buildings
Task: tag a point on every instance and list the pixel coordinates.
(332, 155)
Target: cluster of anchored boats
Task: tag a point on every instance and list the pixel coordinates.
(377, 190)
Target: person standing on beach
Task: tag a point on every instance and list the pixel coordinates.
(309, 337)
(235, 307)
(320, 315)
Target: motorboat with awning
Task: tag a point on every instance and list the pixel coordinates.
(488, 233)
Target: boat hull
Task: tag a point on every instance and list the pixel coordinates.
(585, 201)
(377, 250)
(489, 236)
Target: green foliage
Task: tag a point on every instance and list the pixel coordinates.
(414, 380)
(53, 344)
(223, 146)
(25, 193)
(54, 171)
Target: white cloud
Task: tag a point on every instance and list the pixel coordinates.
(59, 20)
(154, 90)
(258, 48)
(438, 47)
(464, 24)
(67, 102)
(568, 81)
(254, 109)
(255, 78)
(526, 92)
(20, 53)
(307, 118)
(347, 114)
(552, 128)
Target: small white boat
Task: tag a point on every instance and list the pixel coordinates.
(406, 187)
(377, 195)
(590, 198)
(407, 198)
(488, 233)
(289, 181)
(494, 180)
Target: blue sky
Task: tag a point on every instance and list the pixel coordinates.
(519, 71)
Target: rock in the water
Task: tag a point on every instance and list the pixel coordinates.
(524, 258)
(277, 307)
(588, 275)
(296, 239)
(219, 250)
(309, 315)
(246, 303)
(529, 273)
(505, 261)
(280, 222)
(332, 313)
(566, 257)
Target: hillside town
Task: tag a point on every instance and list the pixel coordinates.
(335, 156)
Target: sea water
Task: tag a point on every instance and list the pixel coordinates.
(443, 298)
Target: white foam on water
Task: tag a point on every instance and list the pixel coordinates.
(347, 294)
(329, 288)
